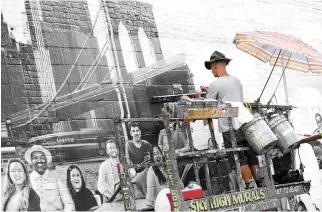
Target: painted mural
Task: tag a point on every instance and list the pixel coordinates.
(61, 91)
(70, 69)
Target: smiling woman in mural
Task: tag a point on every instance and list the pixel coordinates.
(82, 196)
(156, 177)
(18, 194)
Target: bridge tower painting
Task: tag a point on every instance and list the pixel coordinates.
(77, 88)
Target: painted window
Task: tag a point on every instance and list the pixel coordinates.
(147, 48)
(127, 49)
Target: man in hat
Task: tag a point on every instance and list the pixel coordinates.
(53, 193)
(229, 88)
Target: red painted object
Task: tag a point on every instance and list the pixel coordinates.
(197, 95)
(188, 195)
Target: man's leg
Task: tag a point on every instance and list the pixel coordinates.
(245, 169)
(246, 174)
(254, 170)
(252, 160)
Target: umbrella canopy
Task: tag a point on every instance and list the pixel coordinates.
(281, 50)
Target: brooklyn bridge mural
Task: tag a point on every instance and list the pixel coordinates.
(84, 64)
(71, 69)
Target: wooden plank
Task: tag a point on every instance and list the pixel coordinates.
(234, 145)
(125, 181)
(172, 171)
(195, 165)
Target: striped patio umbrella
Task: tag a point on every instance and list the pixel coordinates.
(281, 50)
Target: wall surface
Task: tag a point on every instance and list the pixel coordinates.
(153, 31)
(68, 66)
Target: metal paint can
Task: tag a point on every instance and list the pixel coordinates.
(259, 135)
(287, 138)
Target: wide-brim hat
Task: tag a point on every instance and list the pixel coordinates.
(216, 56)
(38, 148)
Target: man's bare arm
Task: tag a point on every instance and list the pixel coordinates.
(127, 155)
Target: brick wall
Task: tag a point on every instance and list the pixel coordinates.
(12, 80)
(20, 85)
(58, 31)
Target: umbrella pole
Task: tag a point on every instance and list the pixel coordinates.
(259, 98)
(283, 74)
(285, 82)
(286, 96)
(285, 87)
(293, 152)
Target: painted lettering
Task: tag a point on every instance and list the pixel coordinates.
(128, 205)
(174, 197)
(216, 202)
(200, 206)
(262, 194)
(286, 190)
(247, 197)
(238, 199)
(192, 206)
(126, 196)
(228, 199)
(175, 204)
(168, 162)
(225, 201)
(204, 202)
(255, 195)
(222, 201)
(211, 204)
(123, 175)
(294, 188)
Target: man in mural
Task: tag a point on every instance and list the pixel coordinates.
(53, 193)
(108, 177)
(229, 88)
(138, 151)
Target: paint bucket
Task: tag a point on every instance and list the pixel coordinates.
(287, 138)
(259, 135)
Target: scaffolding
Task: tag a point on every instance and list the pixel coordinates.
(259, 198)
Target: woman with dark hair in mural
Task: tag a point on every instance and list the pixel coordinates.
(156, 177)
(83, 198)
(18, 194)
